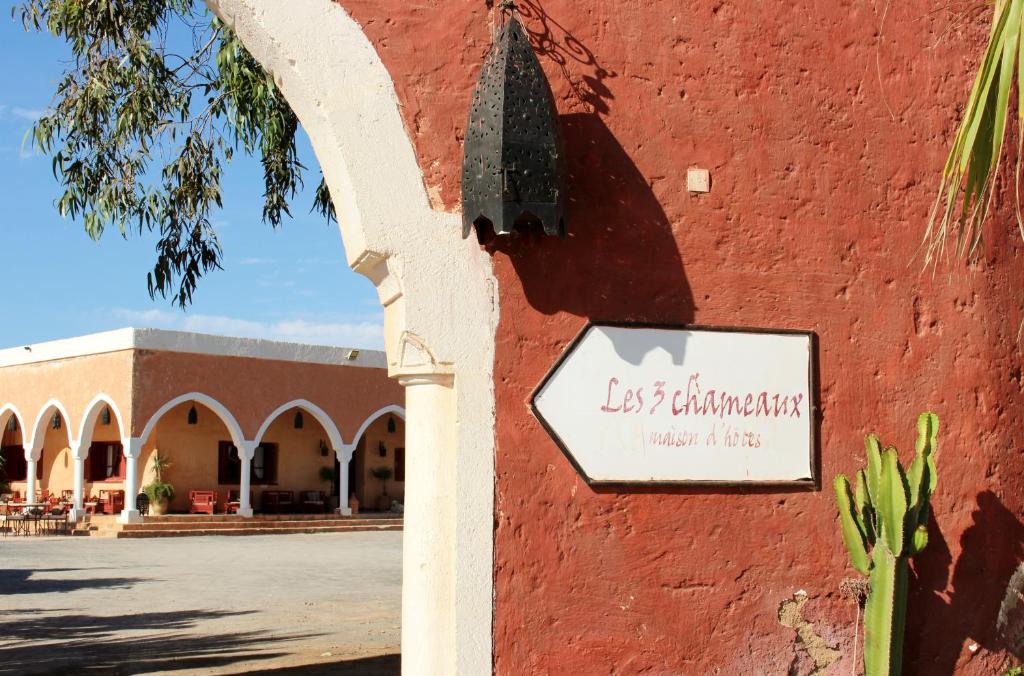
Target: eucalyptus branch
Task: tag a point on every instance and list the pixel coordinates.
(125, 96)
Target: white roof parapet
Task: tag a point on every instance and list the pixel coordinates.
(161, 340)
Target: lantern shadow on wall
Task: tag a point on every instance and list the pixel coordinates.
(620, 260)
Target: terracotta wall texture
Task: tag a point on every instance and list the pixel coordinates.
(824, 126)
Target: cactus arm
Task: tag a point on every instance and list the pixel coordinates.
(873, 447)
(853, 536)
(864, 508)
(927, 433)
(885, 613)
(892, 501)
(927, 442)
(917, 492)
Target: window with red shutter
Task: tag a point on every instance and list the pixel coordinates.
(15, 468)
(229, 464)
(399, 464)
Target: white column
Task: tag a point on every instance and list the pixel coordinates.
(245, 453)
(344, 456)
(78, 509)
(428, 545)
(132, 450)
(32, 459)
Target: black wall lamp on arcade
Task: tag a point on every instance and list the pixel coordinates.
(513, 163)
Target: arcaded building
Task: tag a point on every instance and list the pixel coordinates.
(238, 417)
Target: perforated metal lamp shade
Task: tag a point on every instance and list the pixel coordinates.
(513, 159)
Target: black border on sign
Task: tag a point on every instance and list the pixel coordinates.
(812, 483)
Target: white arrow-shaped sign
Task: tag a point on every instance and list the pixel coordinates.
(635, 404)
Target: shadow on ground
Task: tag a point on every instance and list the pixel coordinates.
(34, 581)
(381, 665)
(86, 644)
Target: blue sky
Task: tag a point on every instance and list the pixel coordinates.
(286, 284)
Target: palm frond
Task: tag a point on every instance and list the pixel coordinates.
(969, 176)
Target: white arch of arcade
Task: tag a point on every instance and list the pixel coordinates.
(440, 306)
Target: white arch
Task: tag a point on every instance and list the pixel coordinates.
(92, 411)
(39, 428)
(344, 96)
(8, 410)
(222, 412)
(393, 408)
(321, 416)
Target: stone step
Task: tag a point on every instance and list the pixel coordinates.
(183, 524)
(257, 530)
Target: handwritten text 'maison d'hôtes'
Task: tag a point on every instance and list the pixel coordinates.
(660, 397)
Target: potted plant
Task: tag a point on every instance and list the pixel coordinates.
(327, 476)
(383, 473)
(158, 491)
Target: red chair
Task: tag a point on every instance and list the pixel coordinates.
(202, 502)
(110, 502)
(234, 502)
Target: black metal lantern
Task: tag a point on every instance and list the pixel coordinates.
(299, 422)
(391, 425)
(513, 172)
(382, 450)
(12, 424)
(193, 416)
(55, 423)
(105, 416)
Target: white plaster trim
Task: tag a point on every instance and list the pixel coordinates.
(393, 408)
(6, 411)
(92, 413)
(222, 412)
(434, 286)
(39, 427)
(161, 340)
(309, 407)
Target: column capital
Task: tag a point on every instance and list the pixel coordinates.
(32, 453)
(132, 447)
(247, 449)
(344, 454)
(414, 379)
(78, 451)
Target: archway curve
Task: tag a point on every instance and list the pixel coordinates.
(219, 409)
(8, 410)
(376, 415)
(92, 412)
(440, 312)
(35, 444)
(321, 417)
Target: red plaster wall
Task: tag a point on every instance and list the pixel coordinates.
(824, 126)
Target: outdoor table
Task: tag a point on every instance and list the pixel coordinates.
(26, 516)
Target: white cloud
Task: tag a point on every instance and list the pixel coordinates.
(256, 261)
(30, 114)
(361, 333)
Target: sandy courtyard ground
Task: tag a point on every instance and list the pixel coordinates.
(286, 604)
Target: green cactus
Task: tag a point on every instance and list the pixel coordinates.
(884, 520)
